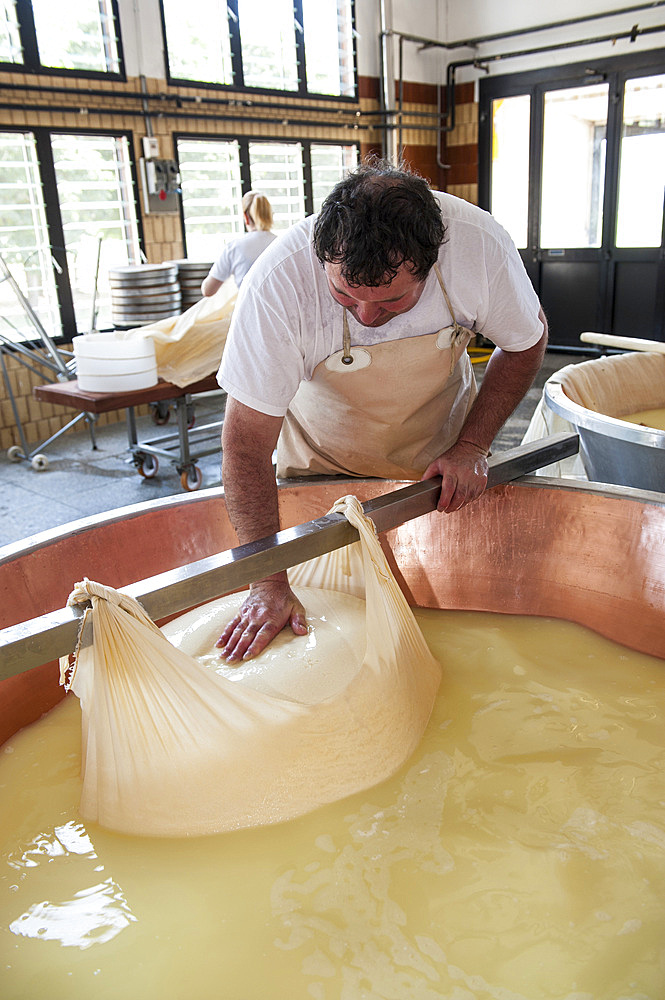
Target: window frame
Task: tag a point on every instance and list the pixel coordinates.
(31, 62)
(243, 149)
(308, 164)
(300, 92)
(244, 178)
(54, 224)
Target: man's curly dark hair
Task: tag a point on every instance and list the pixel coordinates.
(377, 219)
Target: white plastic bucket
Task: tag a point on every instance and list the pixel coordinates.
(111, 364)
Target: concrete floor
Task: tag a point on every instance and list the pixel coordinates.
(80, 481)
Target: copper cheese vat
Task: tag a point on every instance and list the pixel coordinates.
(587, 553)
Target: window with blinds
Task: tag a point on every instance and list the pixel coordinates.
(60, 258)
(215, 173)
(268, 44)
(211, 194)
(199, 41)
(80, 36)
(330, 163)
(329, 46)
(291, 46)
(276, 170)
(99, 223)
(10, 38)
(24, 240)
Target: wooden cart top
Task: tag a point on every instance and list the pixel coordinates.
(69, 394)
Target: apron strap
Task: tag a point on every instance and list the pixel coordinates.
(459, 332)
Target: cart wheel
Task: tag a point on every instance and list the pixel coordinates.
(14, 454)
(161, 413)
(39, 463)
(147, 466)
(191, 478)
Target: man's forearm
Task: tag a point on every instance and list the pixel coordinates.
(250, 490)
(507, 379)
(250, 493)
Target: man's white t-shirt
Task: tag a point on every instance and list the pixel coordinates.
(286, 322)
(239, 254)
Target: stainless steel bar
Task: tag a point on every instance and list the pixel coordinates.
(392, 509)
(49, 636)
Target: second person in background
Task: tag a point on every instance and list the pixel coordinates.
(240, 253)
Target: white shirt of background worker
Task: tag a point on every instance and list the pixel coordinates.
(407, 276)
(240, 253)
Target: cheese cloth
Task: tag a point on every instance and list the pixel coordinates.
(188, 347)
(173, 748)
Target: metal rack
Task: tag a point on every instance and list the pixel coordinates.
(47, 362)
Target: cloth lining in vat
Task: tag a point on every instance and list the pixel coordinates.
(172, 747)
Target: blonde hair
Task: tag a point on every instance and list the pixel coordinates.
(258, 208)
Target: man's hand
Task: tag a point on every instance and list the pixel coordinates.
(270, 606)
(463, 470)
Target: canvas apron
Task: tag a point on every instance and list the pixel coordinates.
(387, 410)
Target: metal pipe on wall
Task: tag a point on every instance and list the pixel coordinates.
(175, 115)
(449, 113)
(387, 90)
(498, 57)
(465, 43)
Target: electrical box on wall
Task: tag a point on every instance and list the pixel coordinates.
(161, 185)
(150, 146)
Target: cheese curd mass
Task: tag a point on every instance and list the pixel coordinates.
(648, 418)
(519, 853)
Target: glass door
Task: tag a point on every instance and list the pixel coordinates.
(572, 164)
(568, 247)
(573, 169)
(642, 165)
(511, 123)
(638, 259)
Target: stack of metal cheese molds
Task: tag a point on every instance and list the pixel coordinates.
(144, 293)
(191, 274)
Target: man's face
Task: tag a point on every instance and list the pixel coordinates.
(375, 306)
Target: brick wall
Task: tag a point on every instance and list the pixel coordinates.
(460, 147)
(420, 145)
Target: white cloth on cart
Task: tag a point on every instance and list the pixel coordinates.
(189, 347)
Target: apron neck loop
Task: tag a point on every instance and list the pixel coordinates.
(347, 357)
(460, 335)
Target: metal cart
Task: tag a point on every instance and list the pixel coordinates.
(183, 446)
